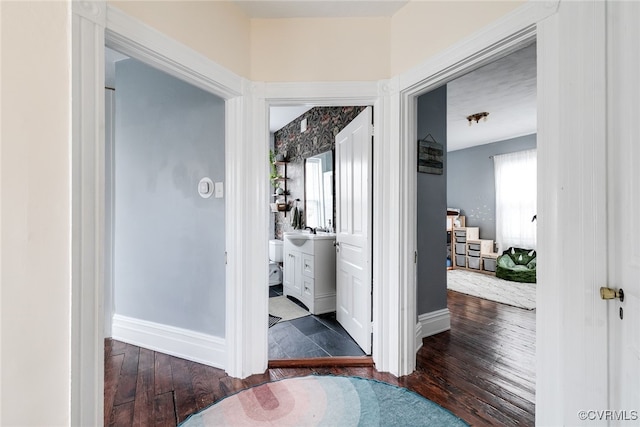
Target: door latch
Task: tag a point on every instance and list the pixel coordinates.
(608, 293)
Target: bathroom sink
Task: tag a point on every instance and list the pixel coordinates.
(299, 238)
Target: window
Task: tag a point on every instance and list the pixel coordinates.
(516, 194)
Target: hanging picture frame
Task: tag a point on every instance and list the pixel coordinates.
(430, 156)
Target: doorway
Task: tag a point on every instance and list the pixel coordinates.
(464, 190)
(491, 163)
(304, 316)
(164, 251)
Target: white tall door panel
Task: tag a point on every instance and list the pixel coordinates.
(624, 205)
(353, 247)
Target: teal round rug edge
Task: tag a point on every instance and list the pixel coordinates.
(443, 417)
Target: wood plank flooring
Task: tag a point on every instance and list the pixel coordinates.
(481, 370)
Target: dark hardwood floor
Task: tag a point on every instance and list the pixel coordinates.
(481, 370)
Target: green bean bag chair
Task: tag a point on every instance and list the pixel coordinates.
(517, 265)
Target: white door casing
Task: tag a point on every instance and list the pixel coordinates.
(354, 150)
(624, 203)
(571, 337)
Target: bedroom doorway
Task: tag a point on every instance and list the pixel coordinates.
(491, 178)
(476, 119)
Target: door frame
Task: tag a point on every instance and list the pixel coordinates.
(571, 333)
(339, 94)
(94, 25)
(503, 37)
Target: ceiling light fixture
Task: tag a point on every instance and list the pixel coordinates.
(476, 117)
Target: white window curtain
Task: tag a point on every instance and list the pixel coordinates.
(516, 195)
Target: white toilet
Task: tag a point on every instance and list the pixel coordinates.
(275, 258)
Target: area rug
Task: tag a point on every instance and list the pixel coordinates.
(489, 287)
(325, 401)
(285, 309)
(273, 320)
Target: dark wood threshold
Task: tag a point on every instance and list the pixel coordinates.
(322, 362)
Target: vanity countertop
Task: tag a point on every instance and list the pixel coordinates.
(308, 236)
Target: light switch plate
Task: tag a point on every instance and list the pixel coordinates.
(219, 190)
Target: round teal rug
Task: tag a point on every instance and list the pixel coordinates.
(325, 401)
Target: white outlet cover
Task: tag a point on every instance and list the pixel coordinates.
(205, 188)
(219, 190)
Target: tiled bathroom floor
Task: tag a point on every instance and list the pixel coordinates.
(309, 336)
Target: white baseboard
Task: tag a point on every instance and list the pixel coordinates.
(183, 343)
(432, 323)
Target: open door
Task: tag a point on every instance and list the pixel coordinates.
(353, 150)
(624, 203)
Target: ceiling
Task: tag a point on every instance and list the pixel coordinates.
(281, 116)
(506, 89)
(320, 9)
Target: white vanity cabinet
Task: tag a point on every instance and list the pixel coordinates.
(310, 270)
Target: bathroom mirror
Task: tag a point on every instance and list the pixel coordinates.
(318, 191)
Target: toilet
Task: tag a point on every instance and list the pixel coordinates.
(275, 258)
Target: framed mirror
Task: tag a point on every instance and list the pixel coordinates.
(318, 191)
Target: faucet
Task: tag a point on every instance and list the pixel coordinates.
(311, 230)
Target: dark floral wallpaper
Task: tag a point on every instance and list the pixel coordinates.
(323, 124)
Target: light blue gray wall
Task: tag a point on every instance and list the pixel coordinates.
(169, 242)
(471, 183)
(432, 208)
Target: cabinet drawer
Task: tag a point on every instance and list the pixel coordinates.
(461, 260)
(473, 253)
(307, 289)
(474, 263)
(460, 248)
(474, 247)
(307, 265)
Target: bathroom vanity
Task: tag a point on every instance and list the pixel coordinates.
(310, 270)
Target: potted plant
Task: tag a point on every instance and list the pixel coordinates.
(273, 176)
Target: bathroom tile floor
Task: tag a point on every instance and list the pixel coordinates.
(309, 336)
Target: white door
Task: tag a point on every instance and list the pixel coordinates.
(624, 205)
(353, 231)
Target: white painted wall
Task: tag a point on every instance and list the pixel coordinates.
(217, 29)
(35, 227)
(320, 49)
(423, 29)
